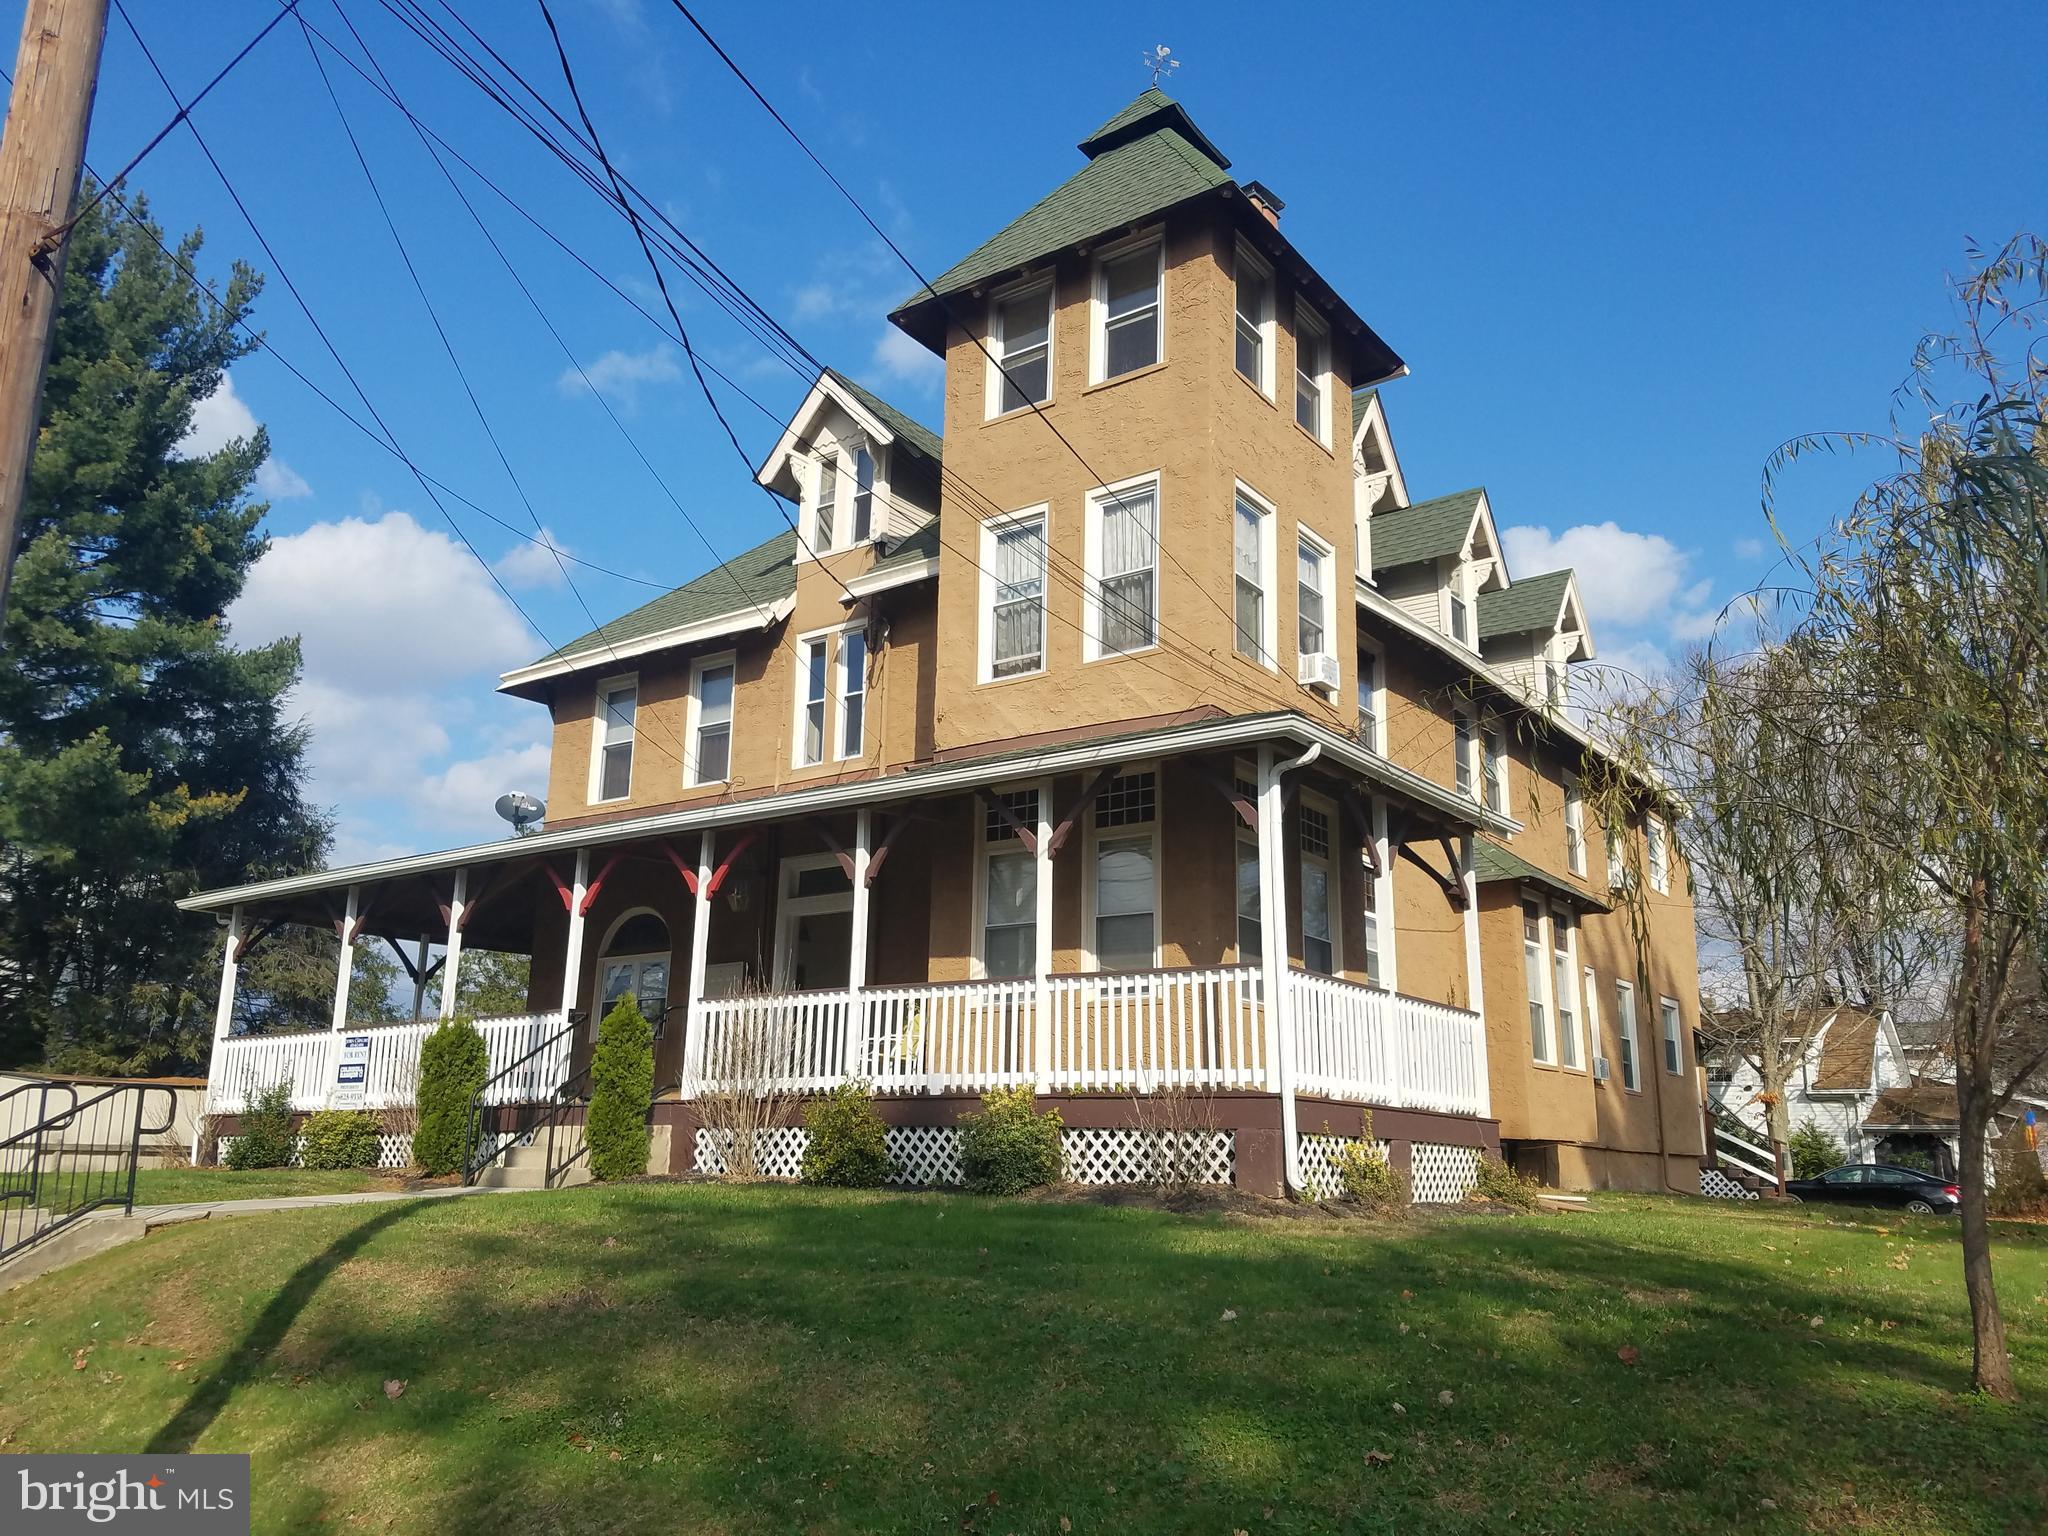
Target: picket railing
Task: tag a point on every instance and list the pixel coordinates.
(1118, 1032)
(244, 1065)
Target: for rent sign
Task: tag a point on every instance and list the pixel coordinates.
(159, 1495)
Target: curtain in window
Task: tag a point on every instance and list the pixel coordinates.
(1123, 904)
(1017, 641)
(1010, 925)
(1309, 576)
(814, 701)
(1251, 582)
(1130, 543)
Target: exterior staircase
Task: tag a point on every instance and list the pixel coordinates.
(528, 1166)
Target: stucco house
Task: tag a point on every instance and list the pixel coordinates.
(1137, 731)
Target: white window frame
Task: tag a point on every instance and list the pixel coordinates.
(1092, 648)
(838, 674)
(1658, 836)
(1309, 326)
(997, 355)
(1091, 961)
(1465, 751)
(1268, 328)
(1269, 616)
(821, 639)
(1617, 855)
(1671, 1036)
(1574, 826)
(1379, 921)
(991, 533)
(1458, 599)
(788, 907)
(1307, 538)
(1493, 765)
(854, 454)
(1245, 775)
(1538, 971)
(1627, 1032)
(593, 795)
(1098, 304)
(814, 500)
(984, 850)
(1589, 999)
(1333, 885)
(1575, 1036)
(692, 779)
(1372, 666)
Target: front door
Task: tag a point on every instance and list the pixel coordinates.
(814, 923)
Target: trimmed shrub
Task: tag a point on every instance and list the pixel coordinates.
(1501, 1185)
(265, 1139)
(1369, 1179)
(1813, 1151)
(341, 1138)
(621, 1089)
(849, 1145)
(454, 1063)
(1008, 1147)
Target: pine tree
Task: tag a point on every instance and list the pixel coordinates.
(142, 755)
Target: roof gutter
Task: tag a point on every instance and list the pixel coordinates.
(1219, 735)
(886, 578)
(738, 622)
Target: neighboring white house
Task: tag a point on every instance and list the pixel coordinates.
(1857, 1083)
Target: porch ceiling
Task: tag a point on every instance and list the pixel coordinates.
(414, 881)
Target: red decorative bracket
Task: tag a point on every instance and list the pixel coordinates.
(561, 889)
(590, 891)
(717, 875)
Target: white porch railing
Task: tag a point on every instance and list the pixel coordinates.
(1120, 1032)
(244, 1065)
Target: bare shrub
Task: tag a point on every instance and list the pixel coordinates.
(744, 1082)
(1177, 1127)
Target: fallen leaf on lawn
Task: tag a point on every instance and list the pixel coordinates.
(1230, 1314)
(1066, 1524)
(1816, 1322)
(1404, 1327)
(394, 1389)
(1628, 1354)
(1378, 1458)
(1399, 1409)
(1407, 1295)
(78, 1359)
(992, 1500)
(610, 1242)
(1443, 1398)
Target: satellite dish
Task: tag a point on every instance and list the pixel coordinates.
(522, 810)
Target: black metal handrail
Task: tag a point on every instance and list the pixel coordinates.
(472, 1134)
(39, 1194)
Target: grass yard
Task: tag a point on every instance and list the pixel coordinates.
(700, 1358)
(181, 1186)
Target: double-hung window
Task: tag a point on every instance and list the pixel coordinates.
(1124, 525)
(617, 704)
(1461, 611)
(863, 495)
(1574, 827)
(853, 692)
(1374, 967)
(1254, 320)
(1617, 863)
(1564, 983)
(831, 696)
(1253, 530)
(1318, 924)
(1371, 704)
(710, 752)
(1126, 895)
(1249, 936)
(1312, 576)
(1013, 595)
(1311, 370)
(1532, 972)
(815, 661)
(1128, 303)
(1009, 913)
(1674, 1043)
(1465, 746)
(1625, 1030)
(1022, 332)
(1495, 766)
(1660, 855)
(825, 509)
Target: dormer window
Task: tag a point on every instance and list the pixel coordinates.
(825, 512)
(1254, 320)
(1461, 610)
(1021, 333)
(1128, 287)
(863, 494)
(1311, 370)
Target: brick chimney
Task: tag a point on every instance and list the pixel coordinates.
(1262, 198)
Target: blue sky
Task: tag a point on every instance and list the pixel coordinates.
(1625, 251)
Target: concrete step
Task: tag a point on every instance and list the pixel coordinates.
(536, 1156)
(529, 1176)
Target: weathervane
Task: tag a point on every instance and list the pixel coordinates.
(1160, 61)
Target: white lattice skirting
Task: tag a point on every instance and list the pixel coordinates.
(930, 1154)
(1716, 1185)
(394, 1150)
(1441, 1175)
(1319, 1163)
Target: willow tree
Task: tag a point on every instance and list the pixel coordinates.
(1930, 605)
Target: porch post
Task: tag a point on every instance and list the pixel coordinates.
(458, 910)
(346, 966)
(1041, 933)
(1279, 1000)
(857, 960)
(223, 1018)
(572, 960)
(700, 940)
(419, 976)
(1475, 981)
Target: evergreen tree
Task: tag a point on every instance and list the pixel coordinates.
(142, 756)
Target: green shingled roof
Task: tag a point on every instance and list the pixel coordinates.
(1153, 109)
(1360, 399)
(1429, 530)
(909, 431)
(1492, 863)
(1137, 178)
(764, 575)
(1528, 603)
(921, 545)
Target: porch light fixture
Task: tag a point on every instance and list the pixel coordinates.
(739, 892)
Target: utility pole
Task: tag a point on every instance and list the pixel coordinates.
(41, 159)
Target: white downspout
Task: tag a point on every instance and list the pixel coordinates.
(1273, 945)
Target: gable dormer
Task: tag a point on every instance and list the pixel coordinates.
(1376, 482)
(1532, 629)
(859, 470)
(1435, 560)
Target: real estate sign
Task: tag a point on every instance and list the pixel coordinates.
(351, 1071)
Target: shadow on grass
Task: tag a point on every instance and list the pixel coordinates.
(774, 1359)
(252, 1355)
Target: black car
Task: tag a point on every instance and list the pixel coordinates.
(1880, 1184)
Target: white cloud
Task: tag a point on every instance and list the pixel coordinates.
(899, 357)
(1625, 578)
(224, 417)
(533, 564)
(1749, 549)
(622, 375)
(465, 794)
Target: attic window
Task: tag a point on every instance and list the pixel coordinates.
(1127, 293)
(1254, 320)
(1021, 329)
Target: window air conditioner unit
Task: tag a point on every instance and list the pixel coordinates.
(1319, 670)
(1600, 1073)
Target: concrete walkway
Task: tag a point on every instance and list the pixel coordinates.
(110, 1229)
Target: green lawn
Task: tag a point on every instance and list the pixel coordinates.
(180, 1186)
(696, 1358)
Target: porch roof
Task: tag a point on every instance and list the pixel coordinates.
(949, 776)
(1491, 863)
